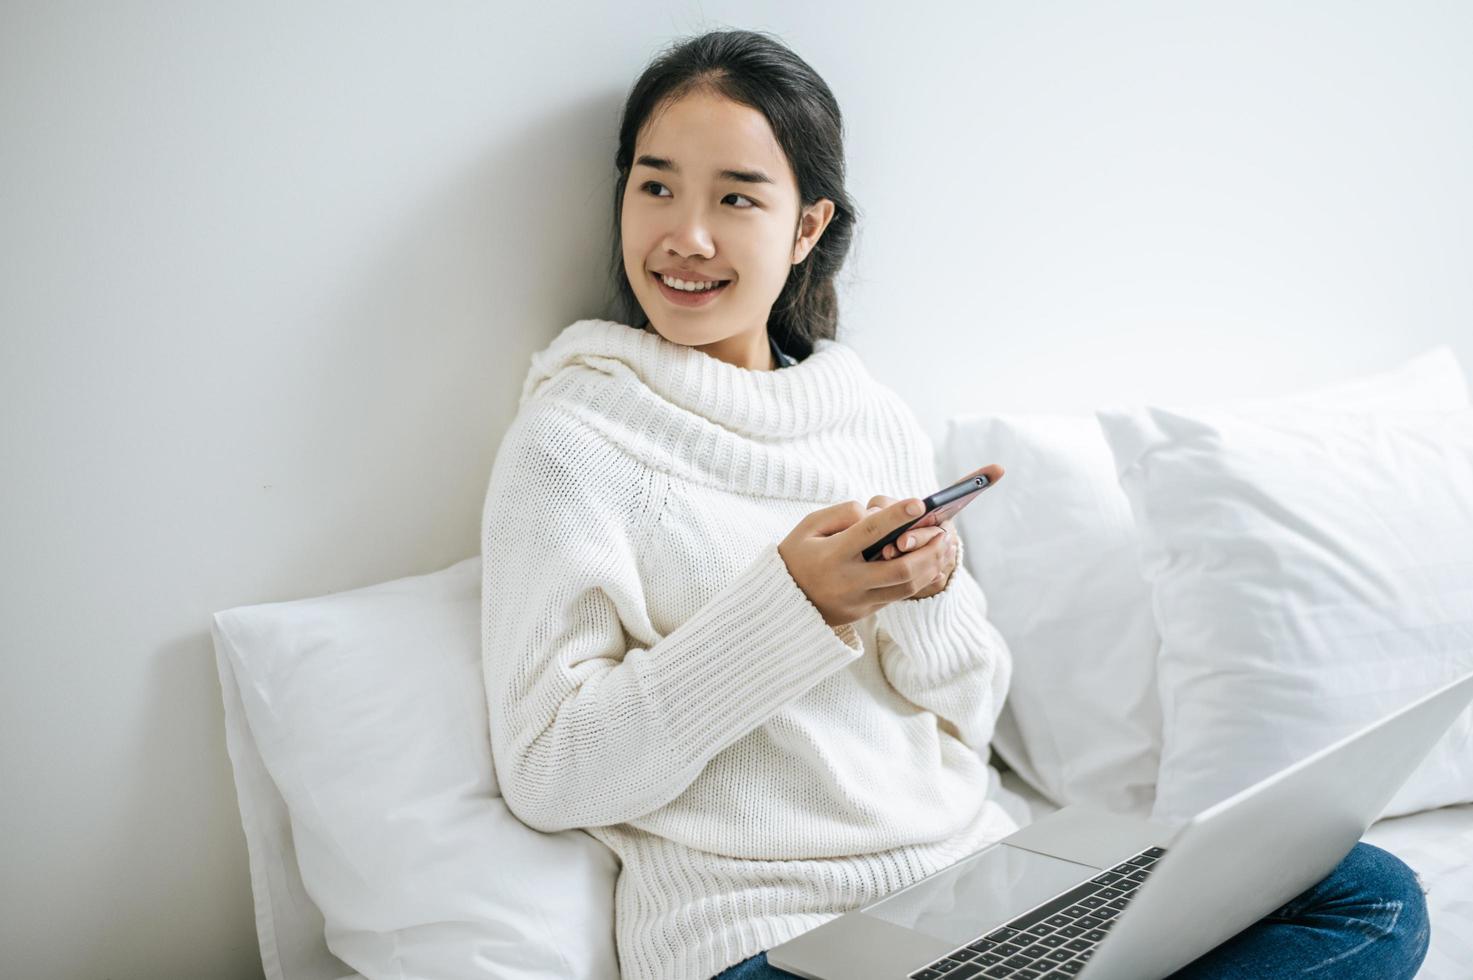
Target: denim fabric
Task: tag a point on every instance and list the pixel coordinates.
(1367, 920)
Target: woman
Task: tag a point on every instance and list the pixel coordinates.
(685, 653)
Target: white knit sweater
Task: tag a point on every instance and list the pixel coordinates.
(656, 676)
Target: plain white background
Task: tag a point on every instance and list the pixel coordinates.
(270, 275)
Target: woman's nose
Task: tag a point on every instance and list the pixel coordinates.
(690, 236)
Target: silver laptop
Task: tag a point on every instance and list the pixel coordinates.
(1090, 894)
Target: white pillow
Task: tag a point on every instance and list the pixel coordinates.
(289, 925)
(1053, 548)
(368, 711)
(1311, 572)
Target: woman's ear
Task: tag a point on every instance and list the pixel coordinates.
(811, 223)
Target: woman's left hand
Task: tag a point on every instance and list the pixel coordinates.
(917, 538)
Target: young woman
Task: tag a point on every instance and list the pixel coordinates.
(685, 653)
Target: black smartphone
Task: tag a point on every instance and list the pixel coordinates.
(942, 505)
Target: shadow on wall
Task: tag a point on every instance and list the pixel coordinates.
(506, 256)
(502, 236)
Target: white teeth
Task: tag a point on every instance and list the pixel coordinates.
(690, 287)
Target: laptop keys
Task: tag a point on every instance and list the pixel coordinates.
(1053, 940)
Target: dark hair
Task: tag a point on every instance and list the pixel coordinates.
(755, 69)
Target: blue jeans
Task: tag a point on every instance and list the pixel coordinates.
(1366, 921)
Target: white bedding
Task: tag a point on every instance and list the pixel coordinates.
(1437, 844)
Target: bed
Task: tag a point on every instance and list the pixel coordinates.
(1127, 580)
(1437, 844)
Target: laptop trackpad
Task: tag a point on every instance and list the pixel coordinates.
(979, 893)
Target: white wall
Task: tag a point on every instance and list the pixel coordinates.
(270, 274)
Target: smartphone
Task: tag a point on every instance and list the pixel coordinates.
(942, 505)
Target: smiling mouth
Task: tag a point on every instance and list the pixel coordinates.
(689, 297)
(661, 276)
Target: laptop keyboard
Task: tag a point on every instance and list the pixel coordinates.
(1054, 940)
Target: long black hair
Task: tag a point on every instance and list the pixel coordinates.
(754, 69)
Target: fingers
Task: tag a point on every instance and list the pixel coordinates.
(992, 471)
(832, 519)
(911, 540)
(913, 570)
(875, 524)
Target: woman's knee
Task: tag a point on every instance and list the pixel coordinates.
(1385, 888)
(1385, 874)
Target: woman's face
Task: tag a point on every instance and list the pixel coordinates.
(711, 196)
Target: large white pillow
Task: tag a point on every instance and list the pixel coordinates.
(367, 710)
(1053, 547)
(289, 925)
(1311, 572)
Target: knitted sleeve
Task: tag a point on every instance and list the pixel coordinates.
(587, 727)
(942, 654)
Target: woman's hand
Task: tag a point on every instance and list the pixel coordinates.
(824, 554)
(918, 538)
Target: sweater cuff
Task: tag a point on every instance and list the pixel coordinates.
(933, 624)
(757, 645)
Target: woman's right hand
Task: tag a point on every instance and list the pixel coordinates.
(824, 554)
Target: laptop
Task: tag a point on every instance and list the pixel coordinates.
(1088, 894)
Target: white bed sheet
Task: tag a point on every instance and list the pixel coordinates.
(1437, 844)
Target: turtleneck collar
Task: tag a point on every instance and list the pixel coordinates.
(782, 433)
(806, 396)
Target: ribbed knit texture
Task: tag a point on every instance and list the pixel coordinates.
(655, 675)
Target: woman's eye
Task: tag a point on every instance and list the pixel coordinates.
(655, 183)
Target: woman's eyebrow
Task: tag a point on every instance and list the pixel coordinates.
(744, 176)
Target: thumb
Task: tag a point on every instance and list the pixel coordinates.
(833, 519)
